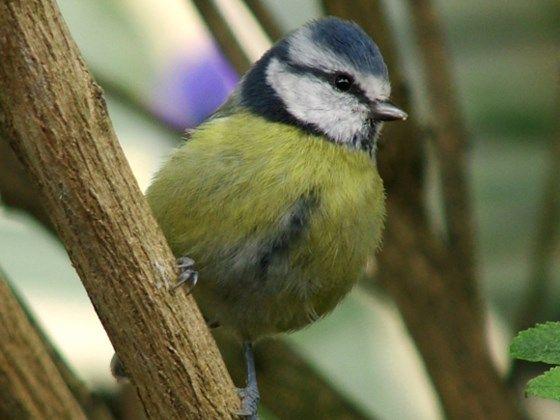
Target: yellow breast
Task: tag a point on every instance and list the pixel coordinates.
(223, 195)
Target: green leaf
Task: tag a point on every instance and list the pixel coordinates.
(538, 344)
(546, 385)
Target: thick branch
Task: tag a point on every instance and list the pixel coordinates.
(223, 34)
(451, 139)
(30, 384)
(56, 119)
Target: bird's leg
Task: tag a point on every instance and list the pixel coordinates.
(250, 394)
(187, 274)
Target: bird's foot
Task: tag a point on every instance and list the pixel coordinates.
(249, 402)
(118, 370)
(187, 274)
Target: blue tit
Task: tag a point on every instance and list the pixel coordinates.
(277, 197)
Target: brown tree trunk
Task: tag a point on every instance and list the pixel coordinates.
(57, 122)
(30, 384)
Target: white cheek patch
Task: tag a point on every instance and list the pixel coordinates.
(312, 100)
(304, 51)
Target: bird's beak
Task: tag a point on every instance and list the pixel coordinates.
(386, 111)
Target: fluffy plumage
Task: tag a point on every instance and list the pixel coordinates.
(277, 197)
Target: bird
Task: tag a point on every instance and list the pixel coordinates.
(274, 204)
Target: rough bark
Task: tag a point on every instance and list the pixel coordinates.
(30, 384)
(416, 267)
(57, 122)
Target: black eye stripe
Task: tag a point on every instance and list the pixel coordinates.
(354, 90)
(342, 81)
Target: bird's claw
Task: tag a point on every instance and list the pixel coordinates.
(249, 402)
(187, 274)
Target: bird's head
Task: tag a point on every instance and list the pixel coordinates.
(327, 77)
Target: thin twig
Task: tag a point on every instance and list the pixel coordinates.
(222, 33)
(265, 18)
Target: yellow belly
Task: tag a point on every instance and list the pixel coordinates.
(224, 194)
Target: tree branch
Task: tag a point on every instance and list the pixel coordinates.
(265, 18)
(414, 265)
(223, 34)
(30, 384)
(450, 137)
(57, 122)
(415, 271)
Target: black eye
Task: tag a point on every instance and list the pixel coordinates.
(343, 81)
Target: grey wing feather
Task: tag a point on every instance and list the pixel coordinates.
(293, 226)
